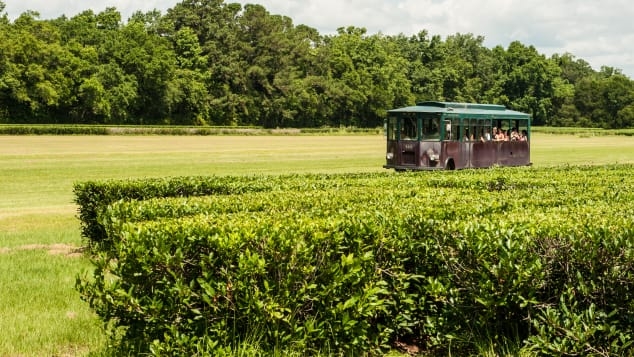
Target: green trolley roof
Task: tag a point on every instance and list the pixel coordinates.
(463, 110)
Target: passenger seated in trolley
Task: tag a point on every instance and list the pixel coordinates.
(500, 136)
(467, 136)
(487, 135)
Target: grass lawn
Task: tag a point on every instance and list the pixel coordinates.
(40, 312)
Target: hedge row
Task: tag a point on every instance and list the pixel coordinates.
(65, 129)
(173, 130)
(350, 264)
(51, 130)
(582, 131)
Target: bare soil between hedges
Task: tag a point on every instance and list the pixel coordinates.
(52, 249)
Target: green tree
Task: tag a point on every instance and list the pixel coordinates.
(605, 99)
(465, 70)
(102, 91)
(365, 77)
(4, 19)
(302, 84)
(215, 25)
(187, 98)
(423, 55)
(572, 69)
(565, 113)
(150, 60)
(588, 93)
(618, 97)
(33, 79)
(4, 65)
(109, 19)
(153, 21)
(279, 59)
(188, 51)
(121, 73)
(81, 29)
(346, 72)
(83, 39)
(107, 95)
(265, 51)
(526, 81)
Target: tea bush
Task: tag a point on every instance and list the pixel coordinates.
(354, 263)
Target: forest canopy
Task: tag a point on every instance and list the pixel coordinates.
(207, 62)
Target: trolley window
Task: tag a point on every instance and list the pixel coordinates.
(409, 127)
(392, 128)
(431, 127)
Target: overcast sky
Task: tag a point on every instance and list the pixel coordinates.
(600, 32)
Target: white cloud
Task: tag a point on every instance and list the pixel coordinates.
(50, 9)
(598, 32)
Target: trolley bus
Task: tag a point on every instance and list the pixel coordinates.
(443, 135)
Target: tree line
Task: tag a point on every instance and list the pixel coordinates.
(207, 62)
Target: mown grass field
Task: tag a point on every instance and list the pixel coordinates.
(41, 313)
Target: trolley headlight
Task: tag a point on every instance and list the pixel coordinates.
(389, 155)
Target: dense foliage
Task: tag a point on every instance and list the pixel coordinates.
(206, 62)
(351, 263)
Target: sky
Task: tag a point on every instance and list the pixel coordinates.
(599, 32)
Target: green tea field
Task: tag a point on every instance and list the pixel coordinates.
(41, 250)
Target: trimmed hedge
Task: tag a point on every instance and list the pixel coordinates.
(51, 130)
(65, 129)
(92, 197)
(351, 264)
